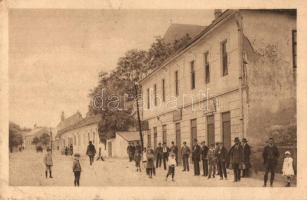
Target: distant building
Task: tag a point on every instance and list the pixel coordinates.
(236, 78)
(30, 135)
(117, 147)
(78, 131)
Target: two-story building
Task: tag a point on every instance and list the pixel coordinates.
(236, 78)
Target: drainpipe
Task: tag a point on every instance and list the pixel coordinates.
(238, 19)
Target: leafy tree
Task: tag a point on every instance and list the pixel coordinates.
(15, 136)
(44, 139)
(35, 140)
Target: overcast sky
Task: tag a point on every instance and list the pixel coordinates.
(55, 55)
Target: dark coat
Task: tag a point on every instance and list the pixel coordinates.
(204, 152)
(270, 155)
(185, 150)
(159, 151)
(222, 154)
(91, 151)
(138, 148)
(150, 160)
(165, 154)
(174, 149)
(246, 155)
(236, 154)
(196, 152)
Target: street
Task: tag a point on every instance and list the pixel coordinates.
(27, 169)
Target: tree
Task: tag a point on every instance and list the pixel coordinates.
(35, 140)
(15, 136)
(44, 139)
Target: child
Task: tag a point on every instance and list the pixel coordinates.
(212, 161)
(150, 162)
(48, 162)
(76, 168)
(287, 168)
(137, 159)
(171, 166)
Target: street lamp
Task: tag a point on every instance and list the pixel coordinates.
(50, 139)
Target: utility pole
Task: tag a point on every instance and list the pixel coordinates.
(138, 114)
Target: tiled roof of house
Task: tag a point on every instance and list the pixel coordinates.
(88, 120)
(129, 135)
(177, 31)
(75, 118)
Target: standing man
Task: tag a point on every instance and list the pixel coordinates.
(221, 155)
(185, 152)
(138, 147)
(204, 157)
(129, 151)
(236, 158)
(246, 160)
(165, 152)
(132, 151)
(196, 157)
(159, 151)
(270, 158)
(91, 151)
(174, 149)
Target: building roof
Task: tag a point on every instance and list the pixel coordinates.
(37, 131)
(75, 118)
(88, 120)
(129, 135)
(177, 31)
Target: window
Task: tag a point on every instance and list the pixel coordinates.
(192, 75)
(294, 51)
(163, 90)
(164, 132)
(226, 129)
(155, 94)
(210, 130)
(224, 57)
(148, 98)
(176, 84)
(193, 131)
(207, 67)
(149, 139)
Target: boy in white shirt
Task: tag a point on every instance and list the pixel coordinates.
(171, 166)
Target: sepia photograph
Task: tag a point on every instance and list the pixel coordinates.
(153, 97)
(152, 100)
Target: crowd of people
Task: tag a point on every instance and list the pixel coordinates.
(214, 159)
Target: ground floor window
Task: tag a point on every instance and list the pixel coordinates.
(226, 129)
(164, 134)
(149, 139)
(193, 131)
(155, 137)
(210, 130)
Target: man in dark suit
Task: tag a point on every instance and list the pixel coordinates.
(270, 158)
(246, 160)
(165, 153)
(174, 149)
(91, 151)
(196, 157)
(221, 155)
(236, 158)
(158, 155)
(204, 157)
(185, 152)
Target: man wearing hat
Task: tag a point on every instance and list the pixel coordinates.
(91, 151)
(165, 154)
(246, 160)
(270, 158)
(185, 152)
(159, 151)
(236, 158)
(48, 163)
(221, 154)
(196, 157)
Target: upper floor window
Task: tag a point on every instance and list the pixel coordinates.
(294, 51)
(163, 90)
(155, 94)
(224, 57)
(192, 74)
(148, 98)
(176, 83)
(207, 67)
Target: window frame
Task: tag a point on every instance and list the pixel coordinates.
(207, 67)
(177, 83)
(193, 77)
(224, 58)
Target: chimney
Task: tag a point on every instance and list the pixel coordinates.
(217, 13)
(62, 116)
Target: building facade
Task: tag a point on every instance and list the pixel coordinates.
(237, 78)
(78, 131)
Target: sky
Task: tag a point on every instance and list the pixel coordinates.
(55, 55)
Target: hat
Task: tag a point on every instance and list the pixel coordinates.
(77, 155)
(287, 152)
(237, 139)
(244, 140)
